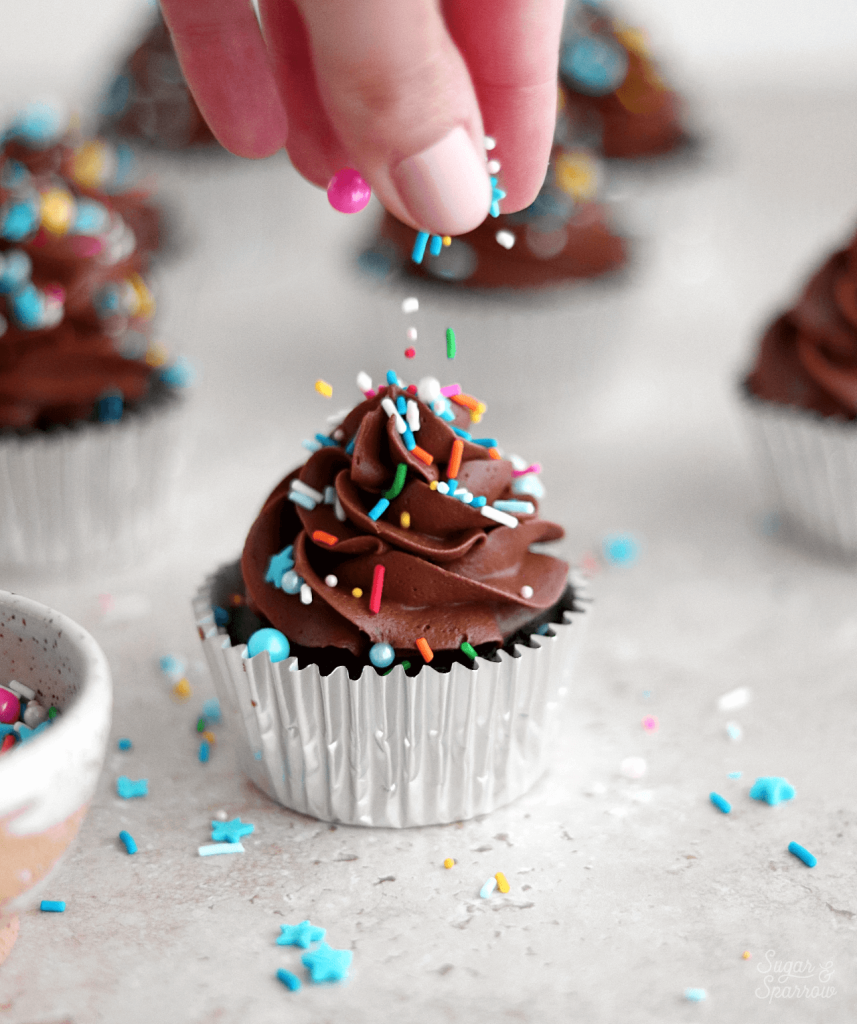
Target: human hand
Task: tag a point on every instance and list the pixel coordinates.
(402, 90)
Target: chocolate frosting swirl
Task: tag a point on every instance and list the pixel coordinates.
(453, 575)
(808, 355)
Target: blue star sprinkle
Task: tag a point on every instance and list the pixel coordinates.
(772, 789)
(326, 964)
(230, 831)
(496, 195)
(279, 565)
(300, 935)
(128, 788)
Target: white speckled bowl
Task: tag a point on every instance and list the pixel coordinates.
(46, 784)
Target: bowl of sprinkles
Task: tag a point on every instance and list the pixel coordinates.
(390, 648)
(55, 704)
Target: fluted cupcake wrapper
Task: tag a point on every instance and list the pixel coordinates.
(811, 470)
(91, 493)
(392, 750)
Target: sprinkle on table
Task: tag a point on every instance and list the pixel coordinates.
(322, 537)
(124, 744)
(695, 995)
(327, 964)
(449, 863)
(52, 906)
(772, 789)
(720, 802)
(502, 883)
(128, 841)
(303, 935)
(377, 589)
(291, 981)
(129, 788)
(488, 888)
(323, 388)
(216, 849)
(802, 854)
(423, 647)
(450, 343)
(230, 831)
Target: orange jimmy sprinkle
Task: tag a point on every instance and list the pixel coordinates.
(424, 649)
(322, 537)
(468, 401)
(422, 455)
(494, 453)
(454, 464)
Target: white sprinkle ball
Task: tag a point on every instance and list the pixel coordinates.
(505, 238)
(412, 334)
(490, 143)
(493, 166)
(221, 815)
(306, 593)
(526, 592)
(411, 304)
(428, 390)
(633, 767)
(331, 580)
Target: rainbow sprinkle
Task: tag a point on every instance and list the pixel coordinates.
(423, 647)
(377, 589)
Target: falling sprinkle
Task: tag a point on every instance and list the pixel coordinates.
(323, 388)
(450, 343)
(505, 238)
(734, 731)
(650, 723)
(410, 353)
(410, 304)
(620, 549)
(734, 699)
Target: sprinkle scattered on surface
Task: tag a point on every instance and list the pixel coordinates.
(128, 841)
(52, 906)
(502, 883)
(449, 863)
(410, 353)
(215, 849)
(379, 509)
(720, 802)
(526, 592)
(746, 954)
(398, 482)
(633, 767)
(650, 723)
(695, 995)
(230, 831)
(734, 731)
(291, 981)
(620, 549)
(303, 935)
(488, 888)
(128, 789)
(772, 789)
(124, 744)
(182, 690)
(326, 964)
(802, 854)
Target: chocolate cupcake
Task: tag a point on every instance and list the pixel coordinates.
(616, 94)
(419, 647)
(801, 396)
(88, 403)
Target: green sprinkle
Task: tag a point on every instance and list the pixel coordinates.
(450, 343)
(406, 665)
(200, 724)
(398, 483)
(469, 650)
(53, 712)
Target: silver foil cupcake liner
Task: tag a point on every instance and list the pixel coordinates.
(392, 751)
(811, 472)
(91, 493)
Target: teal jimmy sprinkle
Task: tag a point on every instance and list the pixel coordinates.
(720, 802)
(128, 841)
(291, 981)
(52, 906)
(802, 854)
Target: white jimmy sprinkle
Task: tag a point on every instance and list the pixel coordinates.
(306, 593)
(310, 492)
(428, 390)
(443, 487)
(329, 494)
(338, 510)
(412, 334)
(499, 517)
(389, 408)
(413, 415)
(364, 381)
(505, 238)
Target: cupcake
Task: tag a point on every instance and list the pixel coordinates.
(390, 646)
(616, 94)
(88, 403)
(564, 235)
(801, 398)
(149, 100)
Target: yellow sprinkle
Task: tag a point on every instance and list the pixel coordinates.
(475, 417)
(405, 520)
(209, 735)
(323, 388)
(447, 240)
(145, 304)
(156, 354)
(89, 163)
(449, 863)
(433, 485)
(578, 175)
(502, 884)
(357, 592)
(746, 954)
(57, 210)
(182, 690)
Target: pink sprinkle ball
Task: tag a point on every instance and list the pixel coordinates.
(348, 192)
(650, 723)
(410, 353)
(10, 706)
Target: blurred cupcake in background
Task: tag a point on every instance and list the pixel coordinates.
(617, 98)
(149, 101)
(566, 234)
(801, 403)
(88, 401)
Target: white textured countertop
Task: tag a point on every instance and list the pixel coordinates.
(623, 893)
